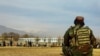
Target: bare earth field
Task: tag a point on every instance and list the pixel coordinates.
(35, 51)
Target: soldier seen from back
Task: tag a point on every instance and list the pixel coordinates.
(79, 39)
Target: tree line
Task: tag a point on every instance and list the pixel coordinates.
(13, 36)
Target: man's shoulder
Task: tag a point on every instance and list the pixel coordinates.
(72, 26)
(86, 27)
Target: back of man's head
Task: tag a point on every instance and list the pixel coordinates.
(79, 20)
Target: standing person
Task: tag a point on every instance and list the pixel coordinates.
(4, 43)
(30, 44)
(79, 39)
(11, 43)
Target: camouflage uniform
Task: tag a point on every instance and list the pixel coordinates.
(70, 47)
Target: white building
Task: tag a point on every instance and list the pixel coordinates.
(50, 41)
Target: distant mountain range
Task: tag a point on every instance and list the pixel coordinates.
(6, 29)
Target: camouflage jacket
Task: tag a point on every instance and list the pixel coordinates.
(67, 37)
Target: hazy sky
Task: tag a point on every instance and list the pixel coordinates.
(49, 17)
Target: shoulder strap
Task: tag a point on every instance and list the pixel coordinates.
(73, 37)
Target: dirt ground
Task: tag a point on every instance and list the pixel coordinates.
(35, 51)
